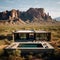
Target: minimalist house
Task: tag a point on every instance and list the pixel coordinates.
(30, 35)
(31, 41)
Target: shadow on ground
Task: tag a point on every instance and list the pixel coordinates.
(8, 37)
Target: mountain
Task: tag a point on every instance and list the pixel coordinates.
(57, 18)
(31, 15)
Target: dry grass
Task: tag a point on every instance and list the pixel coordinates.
(6, 30)
(6, 33)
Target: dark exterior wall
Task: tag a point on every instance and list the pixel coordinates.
(34, 37)
(49, 36)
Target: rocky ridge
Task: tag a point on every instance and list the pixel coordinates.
(31, 15)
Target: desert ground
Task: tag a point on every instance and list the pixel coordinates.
(7, 29)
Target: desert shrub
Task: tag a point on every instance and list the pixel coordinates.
(1, 52)
(16, 52)
(7, 42)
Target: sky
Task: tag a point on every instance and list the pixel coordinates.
(51, 6)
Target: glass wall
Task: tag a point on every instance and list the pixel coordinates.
(32, 36)
(41, 36)
(20, 36)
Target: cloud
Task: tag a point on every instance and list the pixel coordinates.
(9, 1)
(3, 8)
(53, 12)
(58, 2)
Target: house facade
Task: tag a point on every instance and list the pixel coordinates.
(30, 35)
(31, 41)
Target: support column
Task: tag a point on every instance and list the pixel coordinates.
(27, 36)
(49, 36)
(13, 37)
(34, 36)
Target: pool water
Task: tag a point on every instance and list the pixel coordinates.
(30, 45)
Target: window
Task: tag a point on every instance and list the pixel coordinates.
(22, 36)
(41, 36)
(31, 36)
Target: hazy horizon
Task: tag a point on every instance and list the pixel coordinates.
(51, 6)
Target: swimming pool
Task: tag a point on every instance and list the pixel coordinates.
(30, 45)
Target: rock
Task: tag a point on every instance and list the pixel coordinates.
(14, 14)
(32, 14)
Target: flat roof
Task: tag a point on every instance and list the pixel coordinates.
(30, 31)
(24, 31)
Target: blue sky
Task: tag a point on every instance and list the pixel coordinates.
(51, 6)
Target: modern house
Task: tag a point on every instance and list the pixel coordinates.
(31, 41)
(30, 35)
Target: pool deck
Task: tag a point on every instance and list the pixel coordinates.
(45, 49)
(44, 44)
